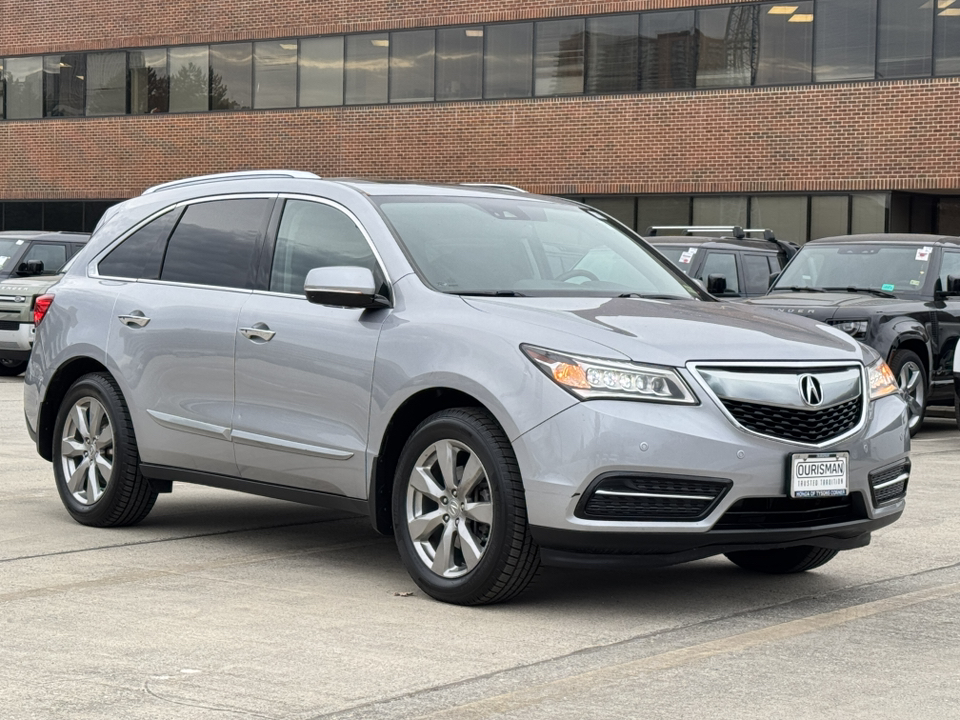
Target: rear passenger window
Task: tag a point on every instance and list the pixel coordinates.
(139, 255)
(314, 235)
(722, 264)
(756, 273)
(216, 243)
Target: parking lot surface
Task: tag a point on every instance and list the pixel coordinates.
(223, 605)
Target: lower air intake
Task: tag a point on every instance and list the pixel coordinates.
(651, 498)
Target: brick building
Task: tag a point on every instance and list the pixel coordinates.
(813, 117)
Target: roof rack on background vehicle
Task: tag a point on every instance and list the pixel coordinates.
(239, 175)
(735, 230)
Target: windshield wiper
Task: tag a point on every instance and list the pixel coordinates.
(870, 291)
(797, 288)
(651, 296)
(488, 293)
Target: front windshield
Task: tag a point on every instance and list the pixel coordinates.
(8, 249)
(679, 256)
(886, 268)
(513, 246)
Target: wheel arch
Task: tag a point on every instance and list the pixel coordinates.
(65, 376)
(917, 345)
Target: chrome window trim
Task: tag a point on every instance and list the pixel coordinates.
(694, 369)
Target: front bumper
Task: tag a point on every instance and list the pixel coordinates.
(16, 344)
(560, 458)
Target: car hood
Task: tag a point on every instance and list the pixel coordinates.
(823, 306)
(28, 285)
(677, 332)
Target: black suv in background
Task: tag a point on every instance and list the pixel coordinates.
(898, 293)
(730, 266)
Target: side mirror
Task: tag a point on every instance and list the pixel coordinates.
(716, 284)
(953, 285)
(772, 279)
(343, 286)
(30, 267)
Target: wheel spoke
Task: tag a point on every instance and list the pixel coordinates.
(93, 484)
(913, 406)
(468, 546)
(80, 418)
(447, 459)
(472, 473)
(105, 467)
(423, 481)
(96, 418)
(105, 438)
(71, 448)
(482, 512)
(424, 526)
(443, 560)
(75, 483)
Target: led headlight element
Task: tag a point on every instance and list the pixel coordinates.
(882, 380)
(854, 328)
(590, 378)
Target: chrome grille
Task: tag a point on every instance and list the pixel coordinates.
(805, 426)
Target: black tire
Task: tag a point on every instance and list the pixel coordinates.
(128, 496)
(783, 561)
(956, 408)
(898, 361)
(12, 368)
(510, 558)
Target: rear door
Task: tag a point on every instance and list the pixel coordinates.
(173, 334)
(304, 372)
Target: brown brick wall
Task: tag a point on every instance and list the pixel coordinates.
(852, 137)
(39, 26)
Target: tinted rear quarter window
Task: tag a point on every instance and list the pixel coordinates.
(216, 243)
(139, 255)
(756, 273)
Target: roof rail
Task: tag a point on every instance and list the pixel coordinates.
(240, 175)
(496, 186)
(735, 230)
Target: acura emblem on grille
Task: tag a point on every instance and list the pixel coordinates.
(810, 390)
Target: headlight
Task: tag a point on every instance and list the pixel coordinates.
(882, 380)
(589, 378)
(854, 328)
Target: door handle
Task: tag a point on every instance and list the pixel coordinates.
(258, 333)
(134, 319)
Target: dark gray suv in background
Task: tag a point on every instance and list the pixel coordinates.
(498, 379)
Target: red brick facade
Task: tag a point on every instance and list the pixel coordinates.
(846, 137)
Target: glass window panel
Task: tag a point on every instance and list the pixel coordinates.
(868, 214)
(621, 208)
(216, 243)
(727, 37)
(107, 83)
(667, 210)
(64, 77)
(559, 57)
(730, 210)
(189, 84)
(905, 46)
(721, 264)
(139, 256)
(756, 273)
(149, 82)
(948, 40)
(63, 216)
(785, 44)
(24, 87)
(275, 74)
(460, 63)
(829, 215)
(949, 220)
(411, 65)
(52, 256)
(313, 235)
(846, 40)
(23, 216)
(231, 76)
(508, 60)
(366, 68)
(93, 211)
(612, 54)
(785, 215)
(950, 266)
(668, 50)
(321, 71)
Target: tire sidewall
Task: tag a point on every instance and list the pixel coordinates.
(92, 386)
(897, 361)
(446, 427)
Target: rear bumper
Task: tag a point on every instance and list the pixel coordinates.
(16, 344)
(579, 549)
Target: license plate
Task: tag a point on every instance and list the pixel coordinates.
(818, 475)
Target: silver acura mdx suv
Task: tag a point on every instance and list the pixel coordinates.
(498, 379)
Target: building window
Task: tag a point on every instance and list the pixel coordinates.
(189, 79)
(24, 87)
(64, 78)
(460, 63)
(275, 74)
(367, 58)
(621, 207)
(829, 215)
(321, 71)
(668, 50)
(905, 38)
(670, 210)
(846, 39)
(149, 81)
(412, 66)
(231, 76)
(508, 61)
(868, 214)
(559, 57)
(720, 210)
(107, 83)
(785, 44)
(727, 37)
(612, 58)
(947, 40)
(786, 215)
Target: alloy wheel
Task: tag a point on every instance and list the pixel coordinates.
(449, 508)
(87, 450)
(910, 380)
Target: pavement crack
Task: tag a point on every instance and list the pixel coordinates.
(216, 708)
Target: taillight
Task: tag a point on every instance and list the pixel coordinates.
(40, 307)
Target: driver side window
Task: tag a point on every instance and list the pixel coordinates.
(949, 266)
(53, 257)
(722, 264)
